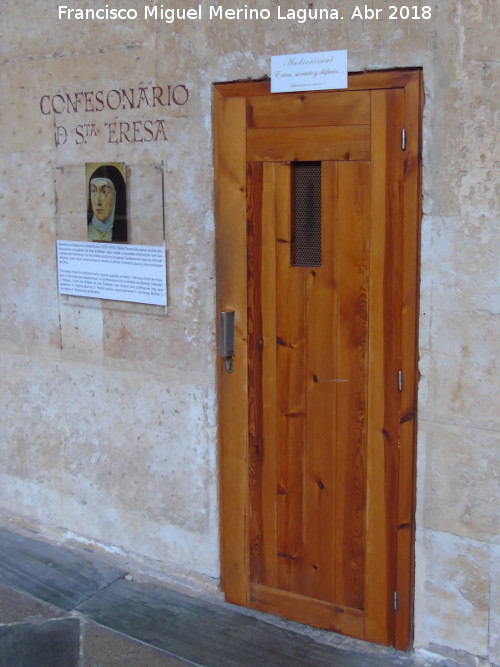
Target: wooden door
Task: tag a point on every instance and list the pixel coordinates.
(317, 206)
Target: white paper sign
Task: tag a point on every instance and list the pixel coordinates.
(115, 271)
(324, 70)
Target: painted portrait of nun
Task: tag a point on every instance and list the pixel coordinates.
(107, 203)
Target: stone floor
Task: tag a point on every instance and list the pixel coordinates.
(67, 608)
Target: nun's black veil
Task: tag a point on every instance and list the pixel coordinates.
(109, 171)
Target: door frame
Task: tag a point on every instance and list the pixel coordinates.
(231, 264)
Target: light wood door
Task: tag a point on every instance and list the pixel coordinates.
(317, 416)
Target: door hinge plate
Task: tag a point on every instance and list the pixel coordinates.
(400, 380)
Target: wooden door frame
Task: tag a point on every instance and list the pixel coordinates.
(231, 263)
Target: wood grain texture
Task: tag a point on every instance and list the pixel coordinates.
(376, 80)
(412, 213)
(313, 110)
(393, 335)
(351, 403)
(377, 522)
(255, 369)
(341, 142)
(385, 361)
(269, 379)
(309, 610)
(320, 490)
(291, 405)
(230, 211)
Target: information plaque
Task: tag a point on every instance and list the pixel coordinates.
(324, 70)
(114, 271)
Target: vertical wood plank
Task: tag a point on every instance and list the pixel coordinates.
(321, 344)
(393, 336)
(255, 369)
(351, 405)
(230, 211)
(385, 354)
(410, 283)
(262, 371)
(377, 553)
(290, 364)
(269, 381)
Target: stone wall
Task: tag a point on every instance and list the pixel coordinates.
(109, 410)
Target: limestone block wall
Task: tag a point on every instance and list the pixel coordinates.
(108, 411)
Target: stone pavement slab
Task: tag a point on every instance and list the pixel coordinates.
(36, 634)
(105, 648)
(58, 576)
(16, 607)
(53, 643)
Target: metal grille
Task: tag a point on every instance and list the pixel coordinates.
(307, 214)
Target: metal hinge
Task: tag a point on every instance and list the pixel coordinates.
(400, 380)
(395, 600)
(403, 139)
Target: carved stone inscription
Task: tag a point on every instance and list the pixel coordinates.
(64, 104)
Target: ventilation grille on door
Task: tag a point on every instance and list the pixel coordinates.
(306, 250)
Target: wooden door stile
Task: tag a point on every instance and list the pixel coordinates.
(412, 212)
(230, 207)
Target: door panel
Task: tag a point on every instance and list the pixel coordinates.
(340, 142)
(310, 414)
(308, 386)
(299, 110)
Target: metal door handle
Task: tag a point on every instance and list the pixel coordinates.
(227, 337)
